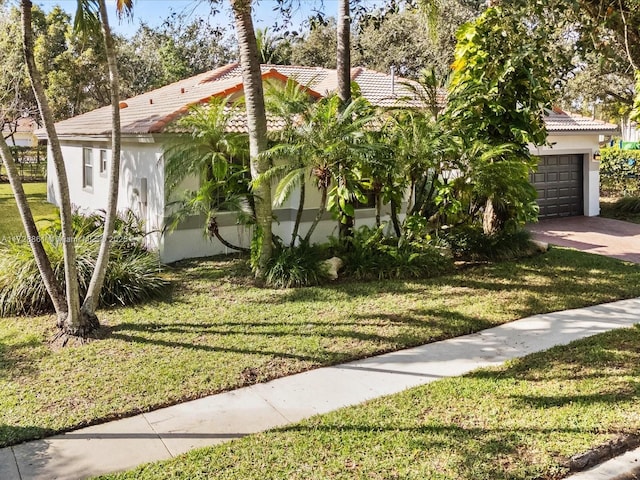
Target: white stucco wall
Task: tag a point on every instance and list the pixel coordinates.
(139, 160)
(587, 145)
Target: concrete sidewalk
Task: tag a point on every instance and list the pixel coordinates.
(164, 433)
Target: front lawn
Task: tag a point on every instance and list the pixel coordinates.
(10, 224)
(217, 332)
(519, 421)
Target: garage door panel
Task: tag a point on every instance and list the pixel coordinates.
(558, 182)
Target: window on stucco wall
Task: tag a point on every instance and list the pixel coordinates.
(87, 168)
(103, 162)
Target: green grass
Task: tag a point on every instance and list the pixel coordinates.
(217, 332)
(519, 421)
(10, 224)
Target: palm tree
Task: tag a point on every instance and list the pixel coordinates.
(343, 70)
(343, 58)
(70, 319)
(256, 125)
(289, 102)
(87, 17)
(207, 150)
(329, 141)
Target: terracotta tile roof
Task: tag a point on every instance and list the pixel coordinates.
(151, 112)
(559, 121)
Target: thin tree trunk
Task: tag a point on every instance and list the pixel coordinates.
(73, 323)
(33, 237)
(214, 231)
(256, 124)
(299, 212)
(321, 210)
(91, 300)
(378, 208)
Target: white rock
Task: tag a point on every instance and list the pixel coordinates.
(333, 265)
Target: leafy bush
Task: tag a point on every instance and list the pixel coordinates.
(297, 266)
(133, 274)
(469, 242)
(370, 255)
(619, 171)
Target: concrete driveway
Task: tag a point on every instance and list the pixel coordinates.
(602, 236)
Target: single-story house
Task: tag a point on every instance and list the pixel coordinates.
(567, 180)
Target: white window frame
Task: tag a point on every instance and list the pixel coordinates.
(87, 168)
(103, 162)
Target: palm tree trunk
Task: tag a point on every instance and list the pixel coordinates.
(256, 124)
(489, 218)
(299, 212)
(321, 210)
(33, 237)
(73, 323)
(97, 278)
(343, 69)
(343, 59)
(378, 208)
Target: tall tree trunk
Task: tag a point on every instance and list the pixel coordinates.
(91, 300)
(73, 323)
(343, 59)
(33, 237)
(343, 63)
(256, 123)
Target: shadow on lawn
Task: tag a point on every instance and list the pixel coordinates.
(415, 327)
(448, 451)
(14, 434)
(21, 357)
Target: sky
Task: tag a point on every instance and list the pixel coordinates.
(153, 12)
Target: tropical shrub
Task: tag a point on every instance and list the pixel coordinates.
(133, 274)
(469, 242)
(295, 266)
(372, 256)
(619, 171)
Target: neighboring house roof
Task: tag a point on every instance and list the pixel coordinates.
(24, 125)
(559, 121)
(153, 111)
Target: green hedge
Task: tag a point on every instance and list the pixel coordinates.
(619, 171)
